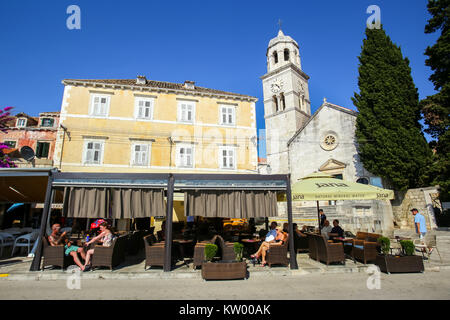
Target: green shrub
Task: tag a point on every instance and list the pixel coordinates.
(385, 244)
(238, 250)
(210, 251)
(408, 247)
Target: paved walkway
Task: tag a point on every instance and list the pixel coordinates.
(17, 268)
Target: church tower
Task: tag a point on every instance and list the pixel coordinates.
(286, 100)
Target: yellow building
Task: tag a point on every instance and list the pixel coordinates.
(151, 126)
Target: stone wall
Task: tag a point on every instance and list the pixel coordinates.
(362, 215)
(413, 198)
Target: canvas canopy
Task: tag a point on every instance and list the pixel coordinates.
(113, 203)
(231, 204)
(319, 186)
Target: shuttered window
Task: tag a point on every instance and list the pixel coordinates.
(186, 111)
(100, 105)
(227, 158)
(93, 152)
(144, 108)
(227, 115)
(185, 156)
(42, 149)
(140, 154)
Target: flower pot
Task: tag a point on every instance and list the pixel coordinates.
(397, 264)
(224, 270)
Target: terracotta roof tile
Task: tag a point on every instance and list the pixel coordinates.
(158, 84)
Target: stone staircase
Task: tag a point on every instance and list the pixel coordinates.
(305, 215)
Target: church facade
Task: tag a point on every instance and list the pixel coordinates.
(300, 143)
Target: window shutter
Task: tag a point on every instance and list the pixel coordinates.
(89, 151)
(45, 148)
(96, 106)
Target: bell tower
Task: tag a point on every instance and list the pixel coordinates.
(286, 99)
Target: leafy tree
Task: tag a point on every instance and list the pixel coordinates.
(390, 141)
(436, 108)
(5, 161)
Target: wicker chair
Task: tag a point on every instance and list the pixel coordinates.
(367, 249)
(155, 252)
(278, 254)
(54, 255)
(110, 256)
(301, 243)
(312, 246)
(329, 252)
(226, 250)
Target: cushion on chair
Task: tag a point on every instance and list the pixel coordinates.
(359, 247)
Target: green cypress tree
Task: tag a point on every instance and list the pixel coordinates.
(436, 108)
(390, 141)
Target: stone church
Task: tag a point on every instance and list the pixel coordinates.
(300, 143)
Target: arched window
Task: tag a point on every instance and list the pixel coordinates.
(283, 102)
(300, 102)
(363, 180)
(286, 54)
(275, 103)
(275, 56)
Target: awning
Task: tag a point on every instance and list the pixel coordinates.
(319, 186)
(230, 204)
(25, 185)
(113, 203)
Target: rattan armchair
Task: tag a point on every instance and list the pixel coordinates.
(226, 250)
(155, 252)
(329, 252)
(364, 250)
(110, 256)
(54, 255)
(312, 246)
(277, 254)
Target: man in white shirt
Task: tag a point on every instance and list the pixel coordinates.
(326, 229)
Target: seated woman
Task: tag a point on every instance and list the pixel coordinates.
(105, 237)
(280, 239)
(56, 238)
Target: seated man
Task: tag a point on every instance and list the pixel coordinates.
(337, 231)
(326, 229)
(298, 233)
(57, 238)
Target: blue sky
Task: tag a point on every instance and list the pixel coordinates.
(218, 44)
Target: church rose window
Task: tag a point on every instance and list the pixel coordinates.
(329, 142)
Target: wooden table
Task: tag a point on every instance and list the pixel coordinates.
(348, 246)
(184, 246)
(250, 245)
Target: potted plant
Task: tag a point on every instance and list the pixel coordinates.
(223, 270)
(407, 261)
(210, 251)
(238, 250)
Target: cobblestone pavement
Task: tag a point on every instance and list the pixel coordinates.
(429, 285)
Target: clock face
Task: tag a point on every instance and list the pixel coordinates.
(276, 86)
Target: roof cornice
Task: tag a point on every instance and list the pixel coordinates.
(156, 89)
(285, 67)
(326, 104)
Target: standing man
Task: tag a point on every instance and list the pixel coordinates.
(419, 222)
(323, 217)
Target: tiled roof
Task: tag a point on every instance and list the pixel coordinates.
(156, 85)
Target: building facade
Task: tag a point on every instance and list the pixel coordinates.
(300, 143)
(38, 133)
(151, 126)
(286, 99)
